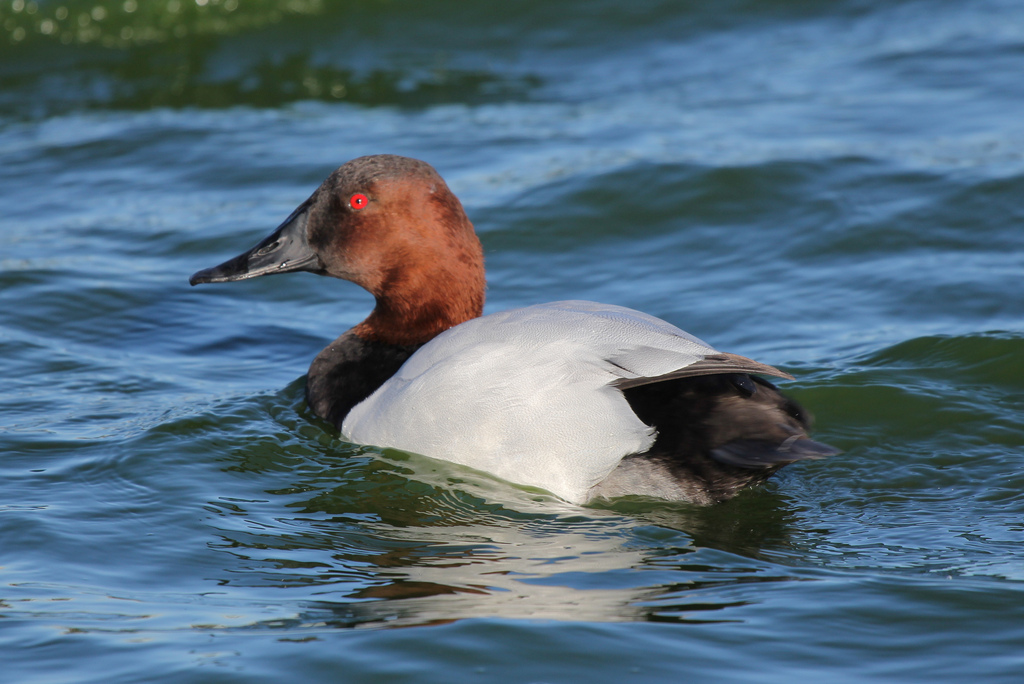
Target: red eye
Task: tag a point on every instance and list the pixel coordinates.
(358, 201)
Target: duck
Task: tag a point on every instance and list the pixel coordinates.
(584, 400)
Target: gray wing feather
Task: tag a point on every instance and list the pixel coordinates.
(709, 365)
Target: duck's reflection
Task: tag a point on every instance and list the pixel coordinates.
(383, 549)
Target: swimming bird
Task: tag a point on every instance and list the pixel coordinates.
(584, 400)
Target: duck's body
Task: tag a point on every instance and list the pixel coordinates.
(584, 400)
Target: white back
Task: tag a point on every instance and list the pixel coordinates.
(526, 394)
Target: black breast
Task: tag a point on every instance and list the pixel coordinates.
(349, 370)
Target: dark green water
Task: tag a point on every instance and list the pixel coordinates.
(836, 188)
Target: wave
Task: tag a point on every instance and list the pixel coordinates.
(133, 55)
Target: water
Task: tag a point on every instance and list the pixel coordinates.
(833, 188)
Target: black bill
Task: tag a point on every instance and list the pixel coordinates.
(285, 250)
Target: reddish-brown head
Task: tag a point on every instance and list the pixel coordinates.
(391, 225)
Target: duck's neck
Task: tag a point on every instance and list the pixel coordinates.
(403, 321)
(353, 366)
(416, 301)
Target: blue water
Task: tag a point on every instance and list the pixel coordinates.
(836, 189)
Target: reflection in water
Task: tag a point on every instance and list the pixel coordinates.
(374, 547)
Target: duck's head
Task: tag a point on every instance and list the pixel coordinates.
(391, 225)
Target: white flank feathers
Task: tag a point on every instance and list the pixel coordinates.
(526, 394)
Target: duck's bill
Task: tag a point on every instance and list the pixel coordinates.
(285, 250)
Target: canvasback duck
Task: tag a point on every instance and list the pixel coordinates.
(583, 400)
